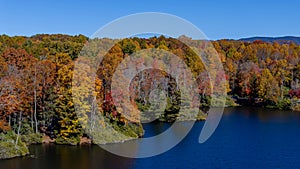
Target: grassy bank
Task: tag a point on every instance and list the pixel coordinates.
(10, 147)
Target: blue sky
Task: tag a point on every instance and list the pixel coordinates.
(217, 19)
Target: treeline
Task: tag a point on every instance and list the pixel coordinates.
(35, 85)
(268, 72)
(36, 80)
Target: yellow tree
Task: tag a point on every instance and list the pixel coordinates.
(69, 128)
(268, 88)
(85, 92)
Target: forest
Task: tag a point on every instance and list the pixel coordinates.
(36, 93)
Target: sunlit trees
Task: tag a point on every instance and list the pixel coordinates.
(268, 88)
(69, 127)
(36, 77)
(16, 98)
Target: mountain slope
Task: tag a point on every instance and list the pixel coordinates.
(281, 40)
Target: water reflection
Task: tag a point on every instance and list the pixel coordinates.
(262, 114)
(155, 128)
(245, 138)
(67, 157)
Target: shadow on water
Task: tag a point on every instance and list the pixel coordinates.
(154, 128)
(245, 138)
(67, 157)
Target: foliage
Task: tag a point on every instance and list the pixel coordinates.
(295, 92)
(8, 147)
(33, 138)
(284, 104)
(36, 95)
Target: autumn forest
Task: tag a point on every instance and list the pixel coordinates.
(37, 104)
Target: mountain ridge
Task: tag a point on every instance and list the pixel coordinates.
(280, 40)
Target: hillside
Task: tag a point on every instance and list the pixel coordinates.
(280, 40)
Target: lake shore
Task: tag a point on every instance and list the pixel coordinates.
(232, 144)
(9, 150)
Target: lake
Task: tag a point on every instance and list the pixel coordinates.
(245, 138)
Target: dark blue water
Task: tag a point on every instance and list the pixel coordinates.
(245, 138)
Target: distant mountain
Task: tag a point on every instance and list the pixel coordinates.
(280, 40)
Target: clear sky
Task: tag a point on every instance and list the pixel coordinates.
(217, 19)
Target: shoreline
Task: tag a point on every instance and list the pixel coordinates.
(86, 141)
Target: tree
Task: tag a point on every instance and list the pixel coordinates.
(69, 126)
(84, 94)
(44, 87)
(268, 87)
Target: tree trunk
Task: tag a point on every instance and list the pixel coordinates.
(93, 114)
(281, 90)
(9, 119)
(19, 128)
(32, 122)
(35, 102)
